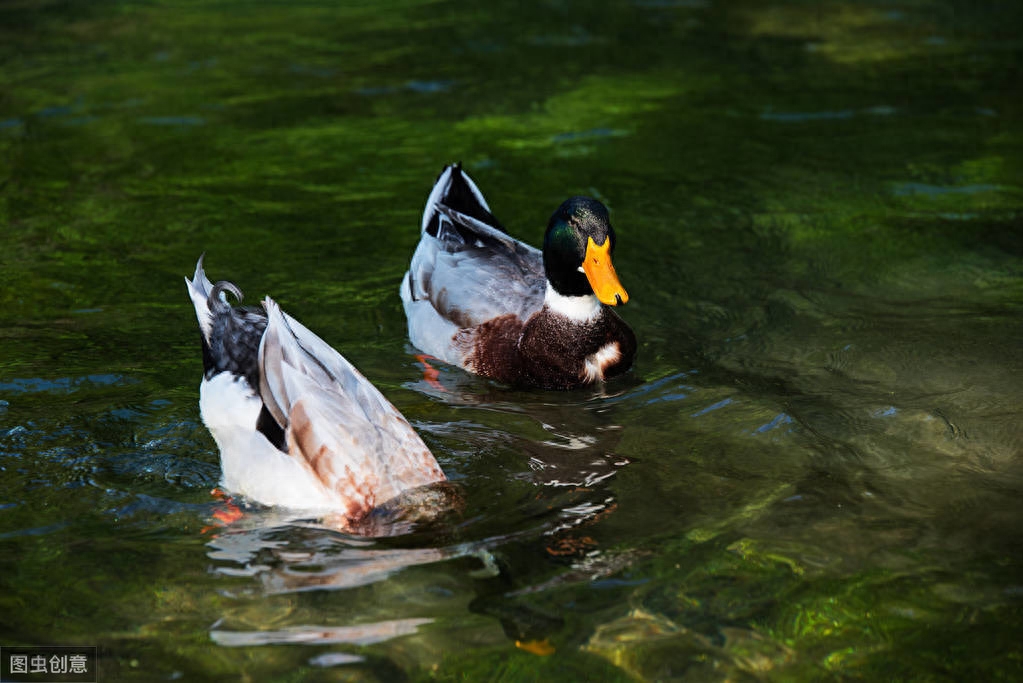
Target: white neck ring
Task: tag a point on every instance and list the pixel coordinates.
(576, 308)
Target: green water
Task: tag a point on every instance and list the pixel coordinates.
(814, 471)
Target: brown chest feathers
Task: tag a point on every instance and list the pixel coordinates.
(549, 351)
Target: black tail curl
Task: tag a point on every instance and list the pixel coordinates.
(217, 300)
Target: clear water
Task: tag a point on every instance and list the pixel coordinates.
(813, 472)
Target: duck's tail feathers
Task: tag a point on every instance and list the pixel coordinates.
(199, 290)
(455, 193)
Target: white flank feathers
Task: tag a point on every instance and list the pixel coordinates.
(250, 465)
(595, 363)
(428, 329)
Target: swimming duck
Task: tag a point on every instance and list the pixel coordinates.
(480, 299)
(297, 425)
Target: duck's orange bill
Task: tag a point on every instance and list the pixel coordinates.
(601, 273)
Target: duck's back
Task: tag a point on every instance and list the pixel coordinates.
(466, 270)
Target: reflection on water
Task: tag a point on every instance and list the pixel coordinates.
(270, 554)
(365, 634)
(286, 557)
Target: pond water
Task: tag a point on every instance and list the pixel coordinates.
(814, 470)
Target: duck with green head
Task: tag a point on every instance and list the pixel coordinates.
(477, 298)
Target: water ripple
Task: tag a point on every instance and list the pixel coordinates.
(924, 189)
(63, 384)
(833, 115)
(713, 407)
(183, 121)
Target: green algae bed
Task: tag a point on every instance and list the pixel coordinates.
(813, 472)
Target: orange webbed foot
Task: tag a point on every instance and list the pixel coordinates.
(430, 374)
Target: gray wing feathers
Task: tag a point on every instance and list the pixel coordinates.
(467, 280)
(477, 226)
(288, 343)
(471, 285)
(349, 434)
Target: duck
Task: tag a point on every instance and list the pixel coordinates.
(297, 425)
(476, 297)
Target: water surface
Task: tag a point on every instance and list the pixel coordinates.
(813, 471)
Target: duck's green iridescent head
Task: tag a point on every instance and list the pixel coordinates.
(577, 252)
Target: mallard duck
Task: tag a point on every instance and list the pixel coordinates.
(480, 299)
(297, 425)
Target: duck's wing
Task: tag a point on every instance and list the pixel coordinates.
(467, 266)
(337, 423)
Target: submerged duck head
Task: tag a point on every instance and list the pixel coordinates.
(577, 250)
